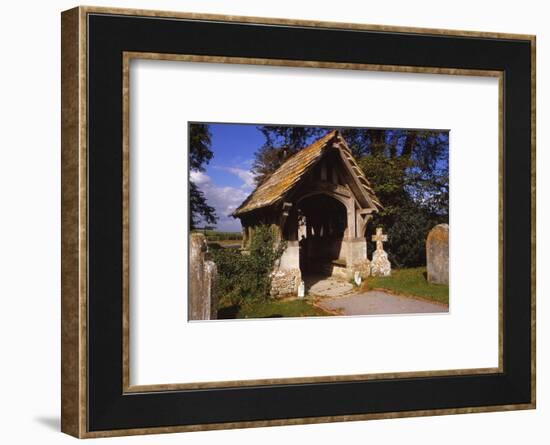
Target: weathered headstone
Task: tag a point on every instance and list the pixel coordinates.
(202, 304)
(437, 254)
(380, 265)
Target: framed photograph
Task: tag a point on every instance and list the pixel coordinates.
(274, 222)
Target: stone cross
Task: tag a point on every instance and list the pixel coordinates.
(379, 238)
(380, 266)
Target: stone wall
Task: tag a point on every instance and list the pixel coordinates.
(202, 302)
(285, 282)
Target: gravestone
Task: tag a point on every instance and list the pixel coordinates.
(437, 254)
(203, 303)
(380, 265)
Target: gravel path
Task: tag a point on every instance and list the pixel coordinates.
(379, 302)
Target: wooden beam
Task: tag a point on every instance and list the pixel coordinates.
(365, 211)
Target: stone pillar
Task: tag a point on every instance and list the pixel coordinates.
(358, 257)
(202, 301)
(286, 276)
(290, 259)
(437, 254)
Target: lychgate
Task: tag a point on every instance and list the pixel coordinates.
(319, 203)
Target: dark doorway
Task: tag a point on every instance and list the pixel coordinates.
(322, 222)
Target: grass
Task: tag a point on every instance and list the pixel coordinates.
(272, 309)
(411, 282)
(225, 243)
(214, 235)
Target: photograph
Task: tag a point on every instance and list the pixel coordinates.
(313, 221)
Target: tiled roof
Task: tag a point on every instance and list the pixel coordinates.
(282, 180)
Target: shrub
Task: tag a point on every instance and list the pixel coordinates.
(247, 278)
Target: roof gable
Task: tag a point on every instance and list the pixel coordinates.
(290, 173)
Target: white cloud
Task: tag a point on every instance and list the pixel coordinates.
(245, 175)
(224, 199)
(198, 177)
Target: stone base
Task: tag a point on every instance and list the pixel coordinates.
(380, 265)
(347, 273)
(363, 267)
(339, 271)
(285, 282)
(330, 288)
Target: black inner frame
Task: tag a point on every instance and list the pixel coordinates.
(108, 407)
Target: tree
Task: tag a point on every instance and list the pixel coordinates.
(200, 210)
(200, 154)
(280, 143)
(200, 140)
(408, 170)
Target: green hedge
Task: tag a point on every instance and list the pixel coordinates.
(247, 278)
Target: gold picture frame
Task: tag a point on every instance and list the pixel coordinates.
(76, 221)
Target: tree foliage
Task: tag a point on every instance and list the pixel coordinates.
(200, 210)
(280, 143)
(200, 140)
(242, 278)
(200, 154)
(408, 170)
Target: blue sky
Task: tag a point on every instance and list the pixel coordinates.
(227, 179)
